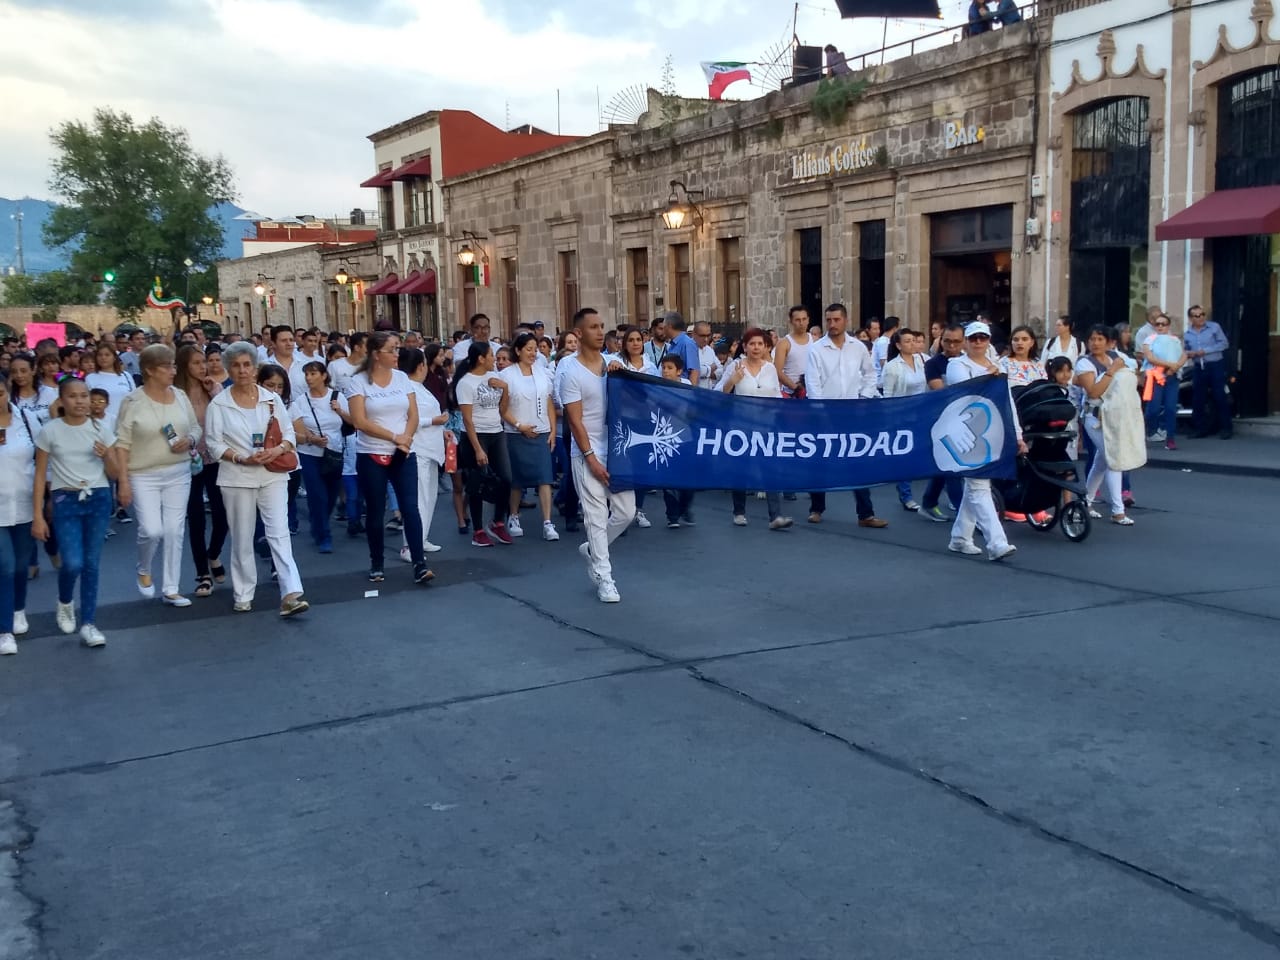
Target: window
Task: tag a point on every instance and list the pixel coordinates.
(731, 281)
(311, 312)
(871, 269)
(467, 276)
(809, 249)
(248, 313)
(983, 230)
(1110, 175)
(293, 313)
(639, 285)
(335, 308)
(1249, 131)
(510, 294)
(418, 202)
(681, 280)
(387, 208)
(568, 286)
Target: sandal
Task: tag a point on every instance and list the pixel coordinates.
(218, 570)
(204, 586)
(1122, 520)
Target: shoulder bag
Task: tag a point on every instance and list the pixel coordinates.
(287, 462)
(330, 460)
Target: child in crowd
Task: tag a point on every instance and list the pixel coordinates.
(679, 503)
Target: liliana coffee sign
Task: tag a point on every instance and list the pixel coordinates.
(832, 161)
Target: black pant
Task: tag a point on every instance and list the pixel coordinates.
(495, 448)
(1209, 386)
(206, 483)
(402, 474)
(677, 502)
(567, 495)
(861, 498)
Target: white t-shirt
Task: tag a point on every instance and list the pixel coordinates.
(879, 356)
(297, 379)
(528, 398)
(763, 384)
(428, 442)
(387, 406)
(709, 369)
(577, 383)
(37, 405)
(18, 469)
(72, 463)
(311, 409)
(462, 346)
(340, 373)
(484, 400)
(117, 385)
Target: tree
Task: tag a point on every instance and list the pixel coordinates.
(57, 288)
(136, 202)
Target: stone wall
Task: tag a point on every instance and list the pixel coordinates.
(96, 319)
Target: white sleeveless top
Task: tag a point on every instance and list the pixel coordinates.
(797, 358)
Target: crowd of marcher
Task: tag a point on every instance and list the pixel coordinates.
(209, 445)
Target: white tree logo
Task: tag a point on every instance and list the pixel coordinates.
(663, 443)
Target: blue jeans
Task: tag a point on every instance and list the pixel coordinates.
(15, 547)
(954, 487)
(1163, 406)
(1209, 384)
(355, 505)
(322, 494)
(403, 478)
(81, 526)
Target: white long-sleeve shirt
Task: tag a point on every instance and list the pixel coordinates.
(229, 426)
(839, 373)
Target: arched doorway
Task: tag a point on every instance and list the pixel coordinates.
(1110, 203)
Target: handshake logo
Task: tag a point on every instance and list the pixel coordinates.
(968, 435)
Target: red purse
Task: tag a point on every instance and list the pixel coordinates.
(287, 462)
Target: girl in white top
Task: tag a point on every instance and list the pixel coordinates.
(481, 396)
(110, 376)
(318, 415)
(384, 409)
(235, 433)
(427, 446)
(752, 375)
(157, 431)
(904, 377)
(73, 459)
(792, 353)
(24, 393)
(1022, 366)
(530, 427)
(17, 479)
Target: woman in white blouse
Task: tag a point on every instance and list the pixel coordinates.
(904, 377)
(18, 433)
(428, 445)
(236, 430)
(318, 415)
(754, 375)
(529, 422)
(110, 376)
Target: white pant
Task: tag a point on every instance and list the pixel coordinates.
(428, 488)
(605, 515)
(977, 509)
(1102, 476)
(160, 506)
(243, 506)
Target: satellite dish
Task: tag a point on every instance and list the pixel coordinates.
(626, 106)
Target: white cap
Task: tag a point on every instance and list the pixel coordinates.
(975, 328)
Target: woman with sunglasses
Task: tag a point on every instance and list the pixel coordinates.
(1163, 358)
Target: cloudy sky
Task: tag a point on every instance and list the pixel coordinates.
(288, 90)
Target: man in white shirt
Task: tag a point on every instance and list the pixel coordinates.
(479, 325)
(343, 369)
(309, 346)
(606, 515)
(282, 345)
(709, 368)
(840, 368)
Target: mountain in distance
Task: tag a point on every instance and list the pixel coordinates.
(38, 258)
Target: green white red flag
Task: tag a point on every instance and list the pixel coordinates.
(722, 73)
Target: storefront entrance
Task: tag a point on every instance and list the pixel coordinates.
(811, 292)
(969, 267)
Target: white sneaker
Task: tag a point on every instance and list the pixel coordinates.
(607, 592)
(514, 528)
(549, 531)
(176, 600)
(405, 555)
(8, 645)
(1008, 550)
(739, 520)
(642, 521)
(20, 623)
(65, 616)
(242, 606)
(780, 523)
(967, 547)
(584, 550)
(430, 547)
(91, 636)
(147, 588)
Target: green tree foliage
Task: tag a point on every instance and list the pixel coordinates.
(135, 200)
(57, 288)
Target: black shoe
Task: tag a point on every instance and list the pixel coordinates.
(464, 529)
(421, 574)
(376, 576)
(355, 529)
(687, 519)
(123, 517)
(396, 524)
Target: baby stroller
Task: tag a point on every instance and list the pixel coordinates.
(1046, 474)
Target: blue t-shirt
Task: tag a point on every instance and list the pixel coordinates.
(935, 368)
(684, 348)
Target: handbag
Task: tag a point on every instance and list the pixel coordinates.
(287, 462)
(330, 460)
(348, 429)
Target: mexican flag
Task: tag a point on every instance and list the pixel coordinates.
(722, 73)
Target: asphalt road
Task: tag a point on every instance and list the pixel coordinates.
(826, 743)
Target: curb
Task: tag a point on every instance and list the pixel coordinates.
(1222, 469)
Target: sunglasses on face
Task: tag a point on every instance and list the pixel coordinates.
(979, 337)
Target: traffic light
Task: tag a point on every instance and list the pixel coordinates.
(108, 276)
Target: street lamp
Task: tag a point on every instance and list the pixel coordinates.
(260, 288)
(342, 276)
(679, 214)
(467, 256)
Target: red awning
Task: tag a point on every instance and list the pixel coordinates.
(398, 288)
(414, 168)
(382, 286)
(419, 284)
(382, 178)
(1226, 213)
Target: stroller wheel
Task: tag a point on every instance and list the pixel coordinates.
(1075, 520)
(1044, 520)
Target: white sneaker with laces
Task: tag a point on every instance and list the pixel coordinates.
(8, 645)
(405, 555)
(642, 521)
(967, 547)
(430, 547)
(584, 550)
(1000, 553)
(607, 592)
(514, 528)
(91, 636)
(549, 531)
(65, 616)
(20, 623)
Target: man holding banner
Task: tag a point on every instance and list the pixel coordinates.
(840, 368)
(606, 515)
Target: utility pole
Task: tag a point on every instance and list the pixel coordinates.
(17, 217)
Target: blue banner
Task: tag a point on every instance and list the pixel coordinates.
(664, 434)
